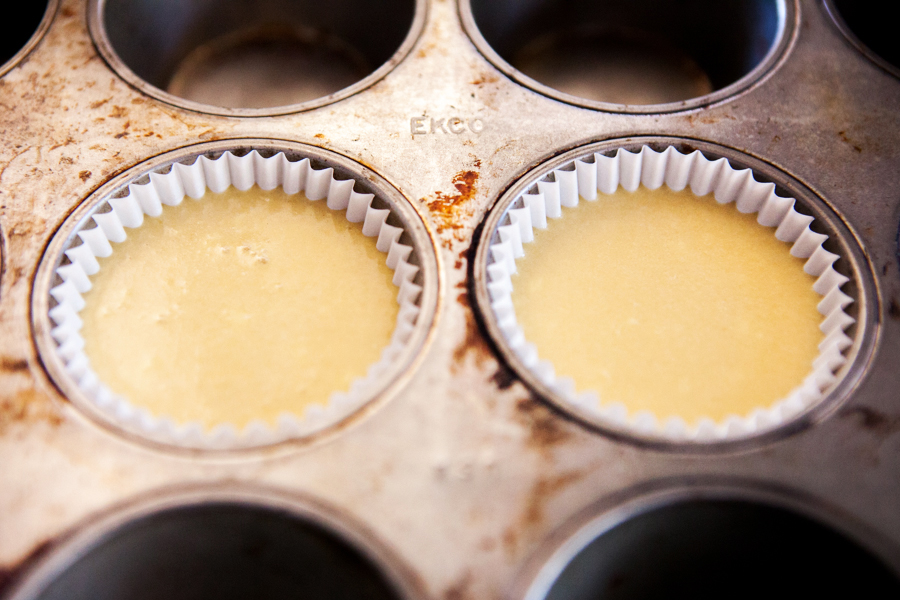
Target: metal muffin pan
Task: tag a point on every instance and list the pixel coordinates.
(465, 475)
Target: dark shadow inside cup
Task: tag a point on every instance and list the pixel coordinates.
(222, 551)
(722, 549)
(638, 52)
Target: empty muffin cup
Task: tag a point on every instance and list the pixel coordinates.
(230, 296)
(265, 58)
(677, 298)
(864, 25)
(632, 56)
(21, 29)
(219, 544)
(706, 542)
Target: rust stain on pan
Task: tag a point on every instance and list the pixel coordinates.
(504, 377)
(13, 365)
(460, 589)
(533, 514)
(894, 309)
(25, 406)
(545, 428)
(461, 259)
(486, 77)
(872, 420)
(849, 142)
(474, 342)
(450, 210)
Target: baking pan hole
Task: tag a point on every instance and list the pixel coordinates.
(631, 53)
(19, 29)
(253, 55)
(718, 549)
(221, 551)
(866, 26)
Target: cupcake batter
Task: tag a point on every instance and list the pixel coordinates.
(669, 303)
(239, 306)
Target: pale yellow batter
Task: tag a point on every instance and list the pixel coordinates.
(669, 303)
(239, 306)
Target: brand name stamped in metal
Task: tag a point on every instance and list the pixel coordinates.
(451, 125)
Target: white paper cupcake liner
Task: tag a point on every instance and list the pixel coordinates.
(114, 215)
(587, 176)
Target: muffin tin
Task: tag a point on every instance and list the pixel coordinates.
(462, 480)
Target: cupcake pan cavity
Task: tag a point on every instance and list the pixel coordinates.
(736, 537)
(463, 468)
(192, 544)
(635, 56)
(259, 58)
(865, 28)
(603, 173)
(106, 223)
(22, 29)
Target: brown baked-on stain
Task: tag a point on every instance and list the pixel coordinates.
(707, 119)
(69, 141)
(448, 208)
(504, 377)
(13, 365)
(486, 77)
(894, 309)
(872, 420)
(544, 489)
(84, 175)
(474, 343)
(532, 517)
(849, 142)
(12, 573)
(26, 406)
(544, 426)
(461, 260)
(459, 589)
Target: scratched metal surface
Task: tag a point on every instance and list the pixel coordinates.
(463, 472)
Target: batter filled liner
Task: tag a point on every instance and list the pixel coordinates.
(651, 397)
(281, 409)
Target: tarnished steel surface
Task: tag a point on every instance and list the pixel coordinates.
(463, 472)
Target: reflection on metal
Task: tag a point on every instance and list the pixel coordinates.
(274, 57)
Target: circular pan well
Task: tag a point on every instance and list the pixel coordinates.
(634, 57)
(220, 544)
(241, 58)
(493, 298)
(22, 29)
(329, 178)
(865, 25)
(709, 542)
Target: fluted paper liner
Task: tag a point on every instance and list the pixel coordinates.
(585, 177)
(169, 189)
